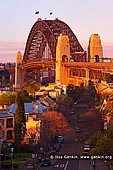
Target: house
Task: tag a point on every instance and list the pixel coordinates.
(6, 126)
(28, 107)
(33, 114)
(48, 102)
(33, 126)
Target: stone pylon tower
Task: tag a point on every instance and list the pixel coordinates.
(18, 71)
(95, 52)
(62, 56)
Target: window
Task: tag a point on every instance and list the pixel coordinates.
(96, 58)
(9, 134)
(9, 122)
(2, 134)
(2, 122)
(64, 58)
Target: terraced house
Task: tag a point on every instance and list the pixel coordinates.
(7, 126)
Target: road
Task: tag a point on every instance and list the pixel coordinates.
(69, 156)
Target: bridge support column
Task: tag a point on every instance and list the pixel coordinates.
(23, 76)
(11, 80)
(18, 71)
(62, 56)
(87, 77)
(3, 81)
(77, 82)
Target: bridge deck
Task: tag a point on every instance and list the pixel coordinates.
(96, 66)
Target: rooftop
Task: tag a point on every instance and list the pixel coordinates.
(5, 114)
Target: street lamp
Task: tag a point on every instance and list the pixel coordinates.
(12, 149)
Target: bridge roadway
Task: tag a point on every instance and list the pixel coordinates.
(95, 66)
(78, 70)
(83, 65)
(38, 64)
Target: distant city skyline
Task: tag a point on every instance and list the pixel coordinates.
(83, 17)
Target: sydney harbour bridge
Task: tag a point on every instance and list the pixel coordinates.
(40, 54)
(42, 41)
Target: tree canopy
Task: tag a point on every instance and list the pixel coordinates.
(7, 98)
(102, 142)
(64, 104)
(53, 123)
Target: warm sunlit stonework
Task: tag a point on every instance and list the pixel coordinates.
(95, 52)
(44, 53)
(62, 55)
(18, 71)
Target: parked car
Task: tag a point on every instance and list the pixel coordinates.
(30, 165)
(75, 103)
(60, 139)
(71, 113)
(57, 147)
(78, 130)
(86, 143)
(87, 147)
(84, 153)
(46, 162)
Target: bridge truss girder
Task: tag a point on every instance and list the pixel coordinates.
(43, 36)
(93, 74)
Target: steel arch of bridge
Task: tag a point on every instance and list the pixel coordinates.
(44, 33)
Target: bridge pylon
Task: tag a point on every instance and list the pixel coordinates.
(62, 56)
(95, 52)
(18, 70)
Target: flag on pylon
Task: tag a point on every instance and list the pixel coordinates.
(37, 12)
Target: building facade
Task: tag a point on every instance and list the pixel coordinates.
(7, 127)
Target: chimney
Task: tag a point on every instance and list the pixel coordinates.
(35, 108)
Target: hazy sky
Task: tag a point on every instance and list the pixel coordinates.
(84, 17)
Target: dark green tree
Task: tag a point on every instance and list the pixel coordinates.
(7, 98)
(32, 88)
(95, 137)
(102, 142)
(25, 97)
(104, 146)
(70, 90)
(20, 121)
